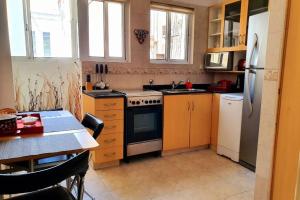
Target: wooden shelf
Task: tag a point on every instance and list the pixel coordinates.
(215, 34)
(215, 20)
(227, 72)
(222, 49)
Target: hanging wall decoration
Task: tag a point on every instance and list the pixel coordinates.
(141, 35)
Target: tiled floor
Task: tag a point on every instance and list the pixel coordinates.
(199, 175)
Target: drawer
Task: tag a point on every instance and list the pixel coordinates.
(110, 140)
(109, 104)
(108, 154)
(113, 126)
(110, 115)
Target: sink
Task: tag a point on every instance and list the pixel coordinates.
(178, 91)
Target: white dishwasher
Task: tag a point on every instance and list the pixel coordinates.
(230, 120)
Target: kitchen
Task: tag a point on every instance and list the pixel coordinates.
(180, 113)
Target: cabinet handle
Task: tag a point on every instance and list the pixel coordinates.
(110, 116)
(109, 104)
(110, 141)
(189, 106)
(110, 154)
(240, 39)
(193, 106)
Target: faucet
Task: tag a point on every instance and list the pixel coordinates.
(174, 85)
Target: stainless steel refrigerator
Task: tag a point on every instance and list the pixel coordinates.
(254, 76)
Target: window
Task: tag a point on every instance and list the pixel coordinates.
(169, 35)
(106, 29)
(41, 28)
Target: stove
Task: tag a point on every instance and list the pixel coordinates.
(143, 122)
(137, 98)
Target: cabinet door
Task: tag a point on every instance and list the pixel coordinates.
(200, 128)
(176, 122)
(215, 121)
(235, 23)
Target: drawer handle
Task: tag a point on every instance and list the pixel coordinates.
(110, 154)
(110, 141)
(111, 127)
(110, 104)
(110, 116)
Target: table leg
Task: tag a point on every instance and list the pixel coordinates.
(31, 165)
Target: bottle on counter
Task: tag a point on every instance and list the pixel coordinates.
(88, 84)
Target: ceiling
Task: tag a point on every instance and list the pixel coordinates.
(200, 2)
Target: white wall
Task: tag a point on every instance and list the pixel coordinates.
(6, 76)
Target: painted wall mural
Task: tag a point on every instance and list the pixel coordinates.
(48, 85)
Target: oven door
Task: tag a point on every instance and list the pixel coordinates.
(143, 123)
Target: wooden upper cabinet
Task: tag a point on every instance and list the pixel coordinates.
(176, 122)
(200, 126)
(233, 27)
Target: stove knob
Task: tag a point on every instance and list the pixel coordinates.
(146, 102)
(133, 102)
(158, 101)
(154, 101)
(150, 101)
(138, 102)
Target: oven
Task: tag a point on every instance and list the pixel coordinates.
(143, 125)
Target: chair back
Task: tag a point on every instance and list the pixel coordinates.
(93, 123)
(22, 183)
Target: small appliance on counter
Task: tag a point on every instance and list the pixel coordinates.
(143, 122)
(221, 86)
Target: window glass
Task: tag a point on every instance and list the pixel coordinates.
(158, 34)
(16, 27)
(96, 29)
(115, 29)
(51, 22)
(178, 38)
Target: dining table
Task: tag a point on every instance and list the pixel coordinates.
(63, 134)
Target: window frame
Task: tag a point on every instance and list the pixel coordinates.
(106, 57)
(29, 40)
(188, 42)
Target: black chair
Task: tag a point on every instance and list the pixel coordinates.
(43, 185)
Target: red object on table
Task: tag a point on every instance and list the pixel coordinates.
(37, 127)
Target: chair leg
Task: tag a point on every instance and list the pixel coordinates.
(80, 188)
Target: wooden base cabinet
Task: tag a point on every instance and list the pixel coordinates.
(215, 121)
(187, 121)
(111, 111)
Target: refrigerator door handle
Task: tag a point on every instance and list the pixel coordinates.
(247, 92)
(253, 60)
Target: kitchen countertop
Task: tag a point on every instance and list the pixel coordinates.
(203, 90)
(100, 95)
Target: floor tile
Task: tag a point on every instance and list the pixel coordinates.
(198, 175)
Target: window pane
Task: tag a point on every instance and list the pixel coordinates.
(158, 34)
(178, 36)
(51, 19)
(96, 44)
(16, 28)
(115, 29)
